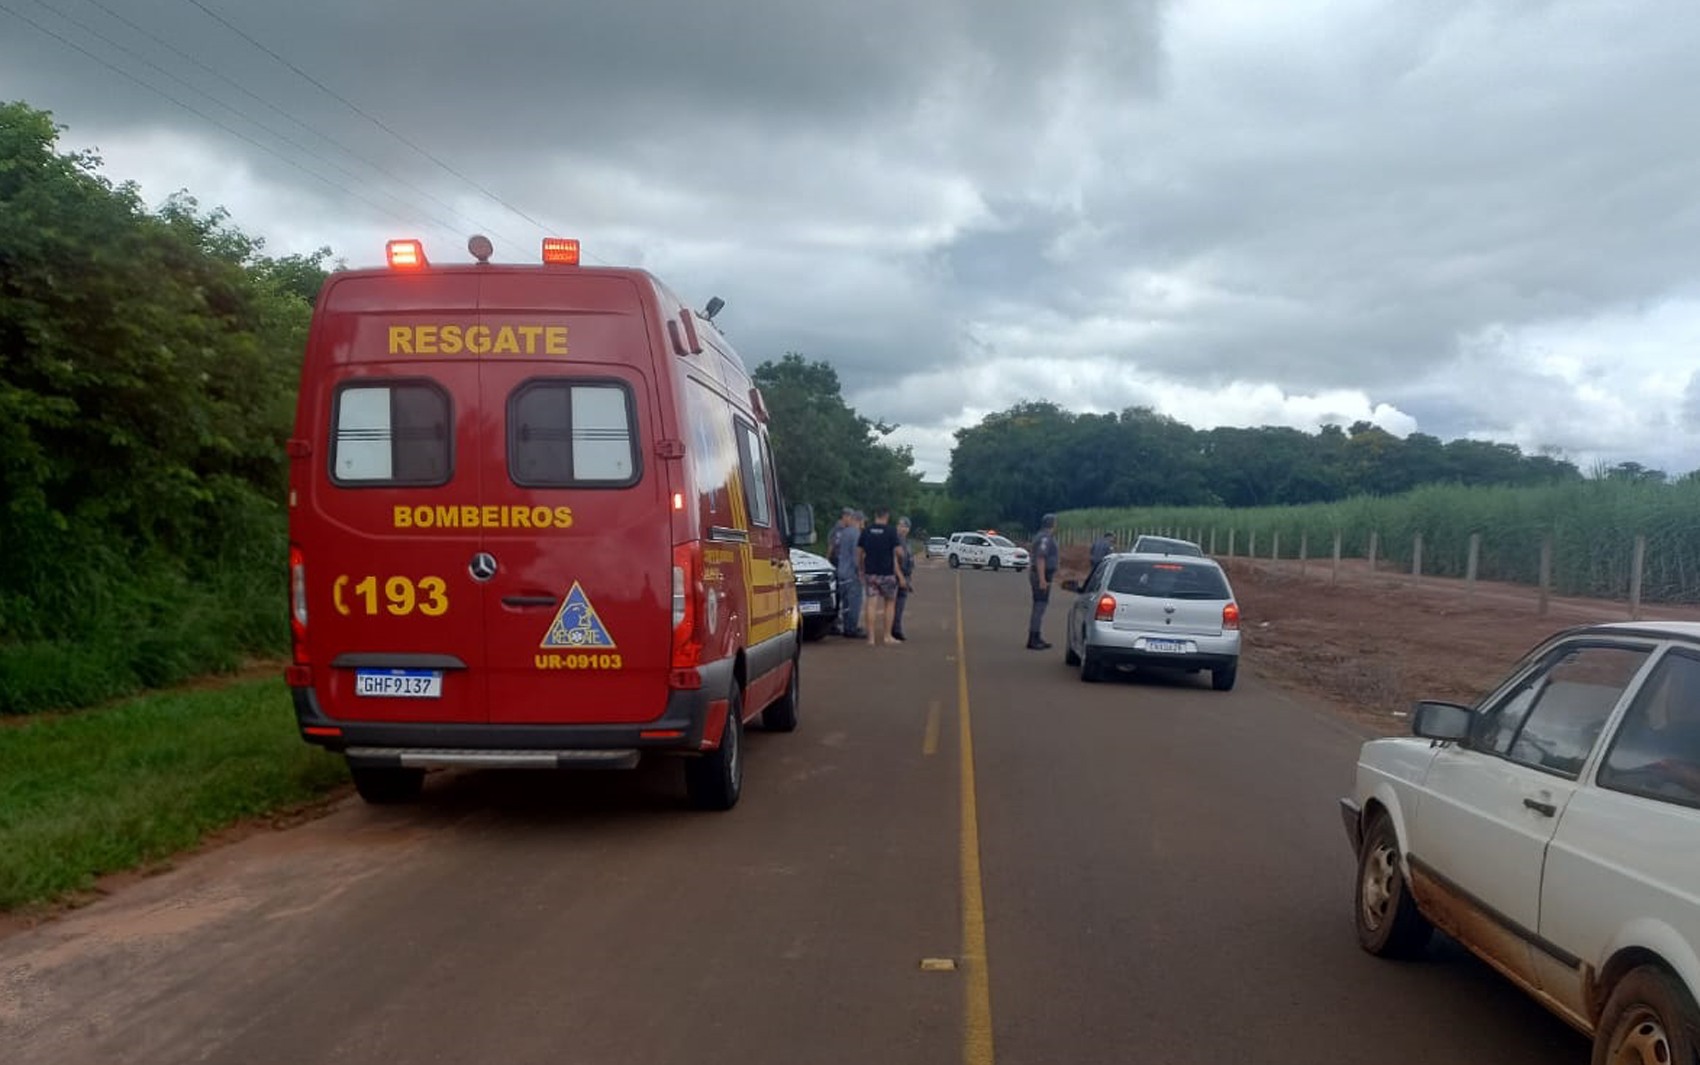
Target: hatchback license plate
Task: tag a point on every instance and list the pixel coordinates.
(399, 683)
(1173, 647)
(808, 606)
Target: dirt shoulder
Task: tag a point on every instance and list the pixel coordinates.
(1371, 644)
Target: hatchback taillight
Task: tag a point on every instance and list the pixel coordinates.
(298, 604)
(1231, 616)
(1106, 608)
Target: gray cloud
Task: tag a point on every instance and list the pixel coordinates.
(1322, 207)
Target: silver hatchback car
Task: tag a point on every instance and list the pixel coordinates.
(1169, 611)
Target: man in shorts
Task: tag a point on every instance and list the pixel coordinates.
(880, 574)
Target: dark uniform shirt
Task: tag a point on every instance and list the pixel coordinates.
(880, 544)
(1044, 547)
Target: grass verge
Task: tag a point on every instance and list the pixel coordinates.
(106, 790)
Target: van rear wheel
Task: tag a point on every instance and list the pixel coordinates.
(782, 715)
(715, 779)
(387, 785)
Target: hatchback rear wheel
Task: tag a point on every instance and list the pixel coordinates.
(1223, 679)
(997, 563)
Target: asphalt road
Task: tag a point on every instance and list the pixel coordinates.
(1160, 876)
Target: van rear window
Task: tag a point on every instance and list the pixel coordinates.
(565, 434)
(399, 432)
(1168, 580)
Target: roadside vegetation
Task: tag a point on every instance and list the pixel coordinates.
(146, 391)
(1592, 525)
(108, 789)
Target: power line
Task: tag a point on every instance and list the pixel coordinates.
(327, 90)
(239, 87)
(202, 114)
(297, 145)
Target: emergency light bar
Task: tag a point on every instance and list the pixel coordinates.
(560, 251)
(405, 254)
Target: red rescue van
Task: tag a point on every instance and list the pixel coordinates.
(533, 522)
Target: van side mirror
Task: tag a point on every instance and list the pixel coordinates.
(802, 525)
(1441, 721)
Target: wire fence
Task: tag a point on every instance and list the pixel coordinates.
(1594, 539)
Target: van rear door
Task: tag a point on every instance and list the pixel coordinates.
(397, 622)
(578, 613)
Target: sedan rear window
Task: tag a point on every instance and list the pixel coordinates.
(1168, 580)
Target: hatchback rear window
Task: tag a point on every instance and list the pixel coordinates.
(1168, 580)
(567, 434)
(395, 433)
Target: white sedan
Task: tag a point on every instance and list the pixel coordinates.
(984, 551)
(1554, 830)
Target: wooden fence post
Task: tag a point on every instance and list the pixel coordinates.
(1212, 539)
(1635, 571)
(1546, 573)
(1251, 544)
(1231, 533)
(1417, 557)
(1470, 567)
(1374, 542)
(1304, 551)
(1334, 577)
(1275, 546)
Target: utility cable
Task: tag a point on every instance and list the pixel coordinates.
(67, 42)
(352, 153)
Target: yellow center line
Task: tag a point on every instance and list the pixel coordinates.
(930, 744)
(977, 1022)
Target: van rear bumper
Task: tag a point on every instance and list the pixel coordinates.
(679, 728)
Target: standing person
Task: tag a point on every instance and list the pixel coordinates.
(843, 555)
(878, 547)
(1104, 548)
(906, 566)
(1040, 575)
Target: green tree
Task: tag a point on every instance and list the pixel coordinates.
(148, 364)
(826, 453)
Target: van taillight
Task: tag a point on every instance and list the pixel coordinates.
(298, 603)
(687, 616)
(1231, 616)
(1106, 608)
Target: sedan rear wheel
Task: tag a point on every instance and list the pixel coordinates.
(955, 563)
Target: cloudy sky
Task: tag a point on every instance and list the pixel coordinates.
(1461, 218)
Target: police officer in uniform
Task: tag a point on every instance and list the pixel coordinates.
(1041, 572)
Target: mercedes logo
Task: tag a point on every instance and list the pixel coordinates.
(482, 567)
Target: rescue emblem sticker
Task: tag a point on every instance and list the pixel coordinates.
(576, 626)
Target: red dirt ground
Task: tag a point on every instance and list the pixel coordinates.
(1372, 644)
